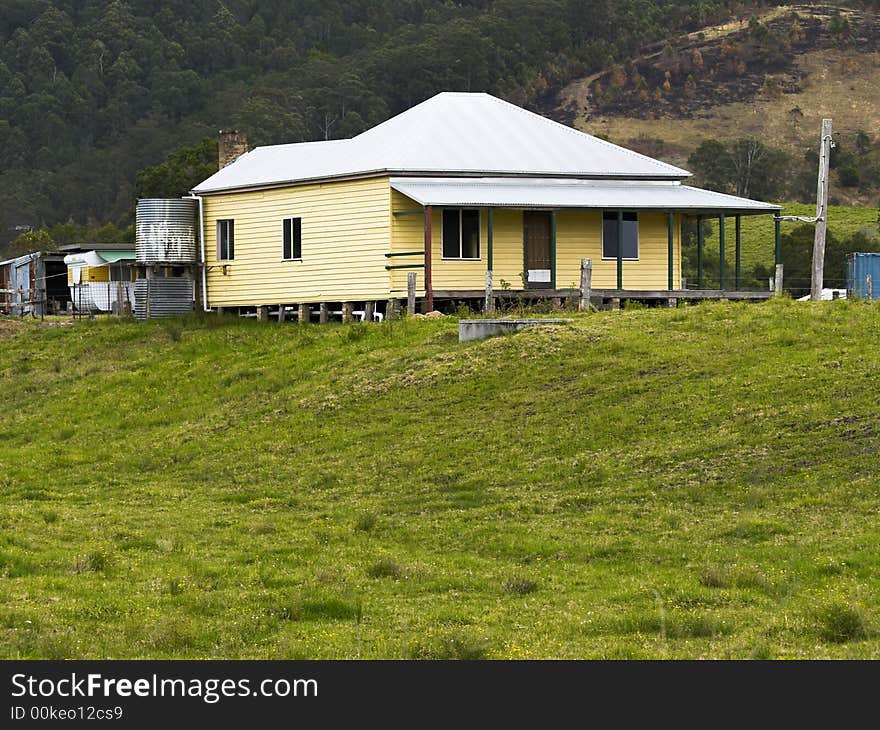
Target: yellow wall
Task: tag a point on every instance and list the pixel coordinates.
(345, 236)
(99, 273)
(407, 234)
(456, 273)
(348, 227)
(578, 236)
(90, 273)
(507, 249)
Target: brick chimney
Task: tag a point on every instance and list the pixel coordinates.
(232, 145)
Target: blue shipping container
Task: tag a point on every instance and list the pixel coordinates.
(863, 276)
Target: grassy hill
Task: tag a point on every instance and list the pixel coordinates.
(698, 482)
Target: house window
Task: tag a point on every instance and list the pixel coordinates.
(630, 236)
(291, 234)
(461, 234)
(225, 240)
(120, 272)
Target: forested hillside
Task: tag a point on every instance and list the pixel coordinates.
(93, 91)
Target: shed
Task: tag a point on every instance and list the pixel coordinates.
(34, 284)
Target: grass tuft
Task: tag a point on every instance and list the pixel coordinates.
(840, 622)
(457, 647)
(94, 561)
(385, 568)
(171, 636)
(517, 586)
(319, 608)
(365, 522)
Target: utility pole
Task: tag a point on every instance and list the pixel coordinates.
(826, 144)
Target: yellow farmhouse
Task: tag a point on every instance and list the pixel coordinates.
(459, 186)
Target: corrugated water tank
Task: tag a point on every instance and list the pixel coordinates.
(166, 230)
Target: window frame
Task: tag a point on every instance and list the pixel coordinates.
(119, 272)
(479, 257)
(229, 225)
(638, 236)
(292, 246)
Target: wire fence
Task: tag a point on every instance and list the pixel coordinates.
(93, 297)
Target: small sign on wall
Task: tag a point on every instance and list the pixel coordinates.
(539, 275)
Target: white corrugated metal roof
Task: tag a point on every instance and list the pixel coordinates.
(451, 133)
(557, 193)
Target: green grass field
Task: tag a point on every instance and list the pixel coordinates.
(699, 482)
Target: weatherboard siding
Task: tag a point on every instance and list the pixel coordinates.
(349, 227)
(456, 273)
(407, 235)
(507, 249)
(578, 236)
(345, 236)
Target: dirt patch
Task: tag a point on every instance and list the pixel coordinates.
(12, 325)
(9, 326)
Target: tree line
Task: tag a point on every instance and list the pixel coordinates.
(93, 91)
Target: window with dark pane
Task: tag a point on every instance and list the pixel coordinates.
(470, 234)
(451, 234)
(630, 238)
(461, 234)
(292, 238)
(225, 239)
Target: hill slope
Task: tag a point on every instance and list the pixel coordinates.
(693, 482)
(773, 79)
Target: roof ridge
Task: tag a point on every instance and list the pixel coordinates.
(297, 144)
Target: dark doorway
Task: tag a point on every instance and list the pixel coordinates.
(537, 250)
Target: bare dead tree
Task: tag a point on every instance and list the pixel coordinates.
(747, 155)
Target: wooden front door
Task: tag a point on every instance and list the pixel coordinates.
(536, 247)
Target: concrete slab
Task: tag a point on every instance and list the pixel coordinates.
(478, 329)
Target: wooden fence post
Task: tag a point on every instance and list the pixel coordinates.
(489, 304)
(147, 305)
(586, 284)
(411, 292)
(777, 281)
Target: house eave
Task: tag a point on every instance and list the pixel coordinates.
(464, 174)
